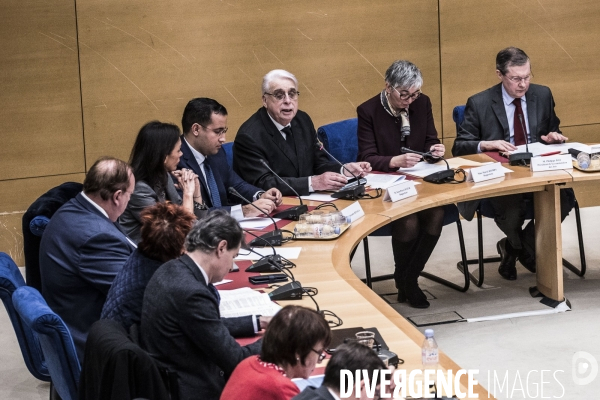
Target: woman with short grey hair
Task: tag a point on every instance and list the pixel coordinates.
(399, 117)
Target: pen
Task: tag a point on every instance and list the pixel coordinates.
(552, 153)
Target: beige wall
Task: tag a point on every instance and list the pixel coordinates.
(79, 83)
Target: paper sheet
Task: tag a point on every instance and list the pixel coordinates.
(318, 197)
(245, 301)
(257, 223)
(291, 253)
(422, 169)
(382, 181)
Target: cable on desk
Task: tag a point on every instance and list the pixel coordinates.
(378, 194)
(328, 204)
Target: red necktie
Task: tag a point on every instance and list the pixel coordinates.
(518, 124)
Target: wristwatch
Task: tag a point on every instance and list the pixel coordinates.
(200, 206)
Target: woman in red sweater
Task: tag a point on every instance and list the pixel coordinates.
(293, 344)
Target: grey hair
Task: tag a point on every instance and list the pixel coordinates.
(404, 74)
(209, 231)
(510, 56)
(276, 74)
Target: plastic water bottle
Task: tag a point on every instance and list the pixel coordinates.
(583, 160)
(429, 351)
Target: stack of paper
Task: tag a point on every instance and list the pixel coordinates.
(245, 301)
(382, 181)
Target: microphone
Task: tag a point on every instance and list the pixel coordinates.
(268, 263)
(352, 190)
(405, 128)
(436, 177)
(274, 238)
(292, 213)
(521, 158)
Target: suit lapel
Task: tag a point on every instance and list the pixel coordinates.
(278, 139)
(532, 116)
(500, 111)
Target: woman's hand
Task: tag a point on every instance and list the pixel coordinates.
(438, 150)
(407, 160)
(186, 182)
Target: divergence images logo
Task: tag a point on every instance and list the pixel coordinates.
(585, 368)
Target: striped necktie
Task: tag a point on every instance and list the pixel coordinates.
(212, 186)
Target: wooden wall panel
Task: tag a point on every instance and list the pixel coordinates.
(39, 102)
(145, 60)
(560, 38)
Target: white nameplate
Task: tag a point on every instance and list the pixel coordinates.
(400, 191)
(353, 212)
(551, 163)
(485, 172)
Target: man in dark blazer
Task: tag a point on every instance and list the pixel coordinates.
(285, 138)
(499, 119)
(83, 248)
(181, 325)
(204, 125)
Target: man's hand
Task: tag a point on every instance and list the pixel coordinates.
(267, 206)
(554, 137)
(274, 195)
(264, 321)
(357, 168)
(328, 181)
(498, 145)
(405, 160)
(438, 150)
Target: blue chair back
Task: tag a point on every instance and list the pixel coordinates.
(341, 139)
(55, 340)
(228, 148)
(458, 115)
(10, 280)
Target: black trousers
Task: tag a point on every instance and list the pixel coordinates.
(511, 211)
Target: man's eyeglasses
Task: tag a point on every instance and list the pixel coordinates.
(280, 94)
(218, 132)
(404, 95)
(519, 79)
(321, 354)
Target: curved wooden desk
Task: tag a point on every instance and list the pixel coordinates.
(326, 265)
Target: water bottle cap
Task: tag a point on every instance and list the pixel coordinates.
(428, 333)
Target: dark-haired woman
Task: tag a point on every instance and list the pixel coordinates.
(293, 344)
(154, 160)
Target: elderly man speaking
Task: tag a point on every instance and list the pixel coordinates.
(285, 138)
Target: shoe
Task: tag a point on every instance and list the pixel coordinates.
(507, 268)
(401, 295)
(415, 296)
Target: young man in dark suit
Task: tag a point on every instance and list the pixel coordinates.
(83, 248)
(204, 125)
(285, 138)
(181, 325)
(500, 118)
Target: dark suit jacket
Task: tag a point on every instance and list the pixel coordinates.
(311, 393)
(485, 119)
(379, 132)
(182, 328)
(81, 253)
(224, 176)
(258, 138)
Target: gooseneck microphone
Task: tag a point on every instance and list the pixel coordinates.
(292, 213)
(436, 177)
(521, 158)
(274, 238)
(270, 263)
(351, 191)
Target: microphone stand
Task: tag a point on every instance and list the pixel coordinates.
(352, 191)
(274, 238)
(292, 213)
(268, 263)
(521, 158)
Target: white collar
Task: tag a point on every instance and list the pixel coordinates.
(197, 155)
(332, 393)
(102, 210)
(277, 124)
(507, 99)
(201, 270)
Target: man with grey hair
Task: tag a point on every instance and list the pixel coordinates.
(285, 138)
(181, 325)
(83, 248)
(498, 119)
